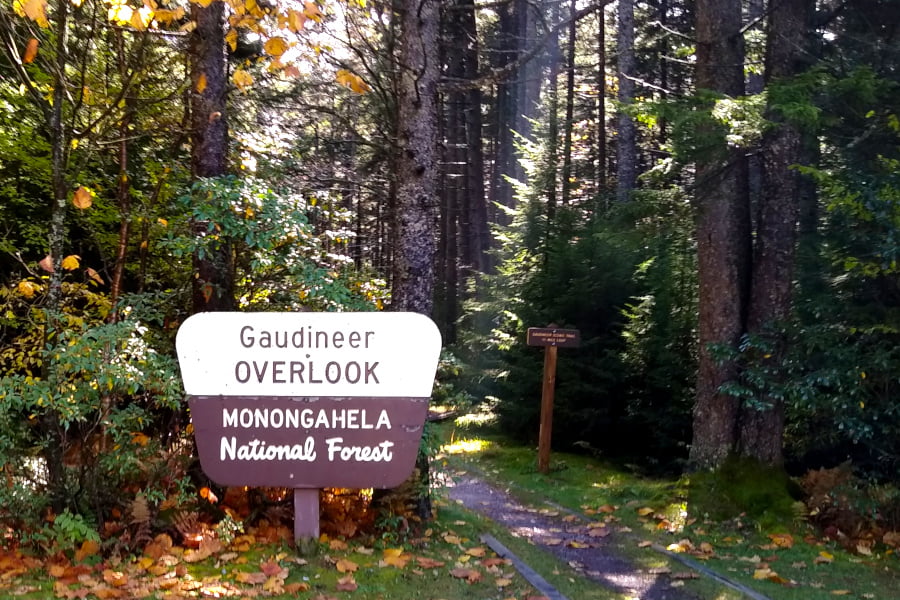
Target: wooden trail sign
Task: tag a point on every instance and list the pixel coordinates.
(308, 400)
(550, 338)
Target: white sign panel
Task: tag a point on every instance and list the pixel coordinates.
(377, 354)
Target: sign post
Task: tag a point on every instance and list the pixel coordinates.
(550, 338)
(308, 400)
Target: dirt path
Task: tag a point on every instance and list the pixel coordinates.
(595, 557)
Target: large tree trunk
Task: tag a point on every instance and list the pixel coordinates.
(478, 234)
(213, 284)
(626, 169)
(723, 236)
(774, 253)
(416, 213)
(570, 107)
(601, 101)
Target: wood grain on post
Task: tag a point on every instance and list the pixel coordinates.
(547, 409)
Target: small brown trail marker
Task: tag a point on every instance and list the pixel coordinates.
(308, 400)
(550, 338)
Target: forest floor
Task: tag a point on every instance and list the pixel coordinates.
(587, 530)
(637, 537)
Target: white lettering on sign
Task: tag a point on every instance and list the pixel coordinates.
(258, 450)
(296, 371)
(306, 418)
(308, 354)
(379, 453)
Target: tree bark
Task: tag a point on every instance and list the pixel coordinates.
(479, 235)
(416, 215)
(570, 108)
(601, 101)
(789, 21)
(626, 166)
(723, 236)
(213, 284)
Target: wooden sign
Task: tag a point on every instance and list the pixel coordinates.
(550, 338)
(308, 400)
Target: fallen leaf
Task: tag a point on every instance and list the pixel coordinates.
(345, 565)
(477, 551)
(429, 563)
(782, 540)
(503, 582)
(251, 578)
(346, 584)
(471, 575)
(643, 512)
(115, 578)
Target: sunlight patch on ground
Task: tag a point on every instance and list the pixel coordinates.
(465, 446)
(475, 419)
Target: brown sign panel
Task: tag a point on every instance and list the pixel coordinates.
(313, 442)
(547, 336)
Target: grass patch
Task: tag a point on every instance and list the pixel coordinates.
(745, 526)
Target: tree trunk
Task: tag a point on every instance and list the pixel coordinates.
(626, 169)
(774, 253)
(416, 214)
(723, 236)
(601, 101)
(213, 284)
(479, 235)
(570, 108)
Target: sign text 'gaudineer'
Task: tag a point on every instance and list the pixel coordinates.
(308, 400)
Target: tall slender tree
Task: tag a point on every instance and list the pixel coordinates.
(722, 233)
(626, 165)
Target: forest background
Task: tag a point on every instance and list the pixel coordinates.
(707, 189)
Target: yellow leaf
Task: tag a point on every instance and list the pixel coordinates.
(120, 14)
(27, 289)
(36, 10)
(295, 20)
(643, 512)
(88, 548)
(141, 18)
(82, 198)
(345, 565)
(71, 262)
(312, 11)
(242, 79)
(168, 16)
(275, 46)
(782, 540)
(232, 38)
(201, 83)
(352, 81)
(203, 3)
(31, 51)
(477, 552)
(448, 537)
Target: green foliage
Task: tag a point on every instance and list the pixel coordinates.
(627, 390)
(282, 263)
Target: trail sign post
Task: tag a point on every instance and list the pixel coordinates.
(550, 338)
(308, 400)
